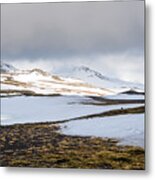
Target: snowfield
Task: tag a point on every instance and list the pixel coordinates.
(125, 96)
(129, 129)
(42, 109)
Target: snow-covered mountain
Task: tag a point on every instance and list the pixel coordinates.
(80, 81)
(39, 82)
(7, 68)
(98, 79)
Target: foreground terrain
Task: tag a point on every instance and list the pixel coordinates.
(42, 145)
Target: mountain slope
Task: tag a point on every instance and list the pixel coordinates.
(7, 68)
(38, 82)
(98, 79)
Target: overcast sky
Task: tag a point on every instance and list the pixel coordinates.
(107, 36)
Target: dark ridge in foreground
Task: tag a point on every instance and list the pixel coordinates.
(41, 145)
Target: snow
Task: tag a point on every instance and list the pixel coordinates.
(3, 78)
(11, 87)
(129, 129)
(30, 77)
(5, 117)
(42, 109)
(85, 82)
(7, 67)
(98, 79)
(71, 80)
(125, 96)
(46, 84)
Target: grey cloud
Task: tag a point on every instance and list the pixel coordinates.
(71, 29)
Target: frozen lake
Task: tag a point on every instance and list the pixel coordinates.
(42, 109)
(128, 128)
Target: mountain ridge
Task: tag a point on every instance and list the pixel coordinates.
(98, 79)
(38, 81)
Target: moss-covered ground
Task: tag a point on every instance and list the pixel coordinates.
(42, 145)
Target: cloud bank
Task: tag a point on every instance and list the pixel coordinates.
(60, 34)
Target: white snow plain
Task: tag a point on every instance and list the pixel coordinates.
(41, 109)
(129, 129)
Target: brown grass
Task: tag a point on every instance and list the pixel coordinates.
(41, 145)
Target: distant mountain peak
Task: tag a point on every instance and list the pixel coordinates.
(96, 78)
(4, 68)
(94, 73)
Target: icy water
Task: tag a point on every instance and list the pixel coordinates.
(128, 128)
